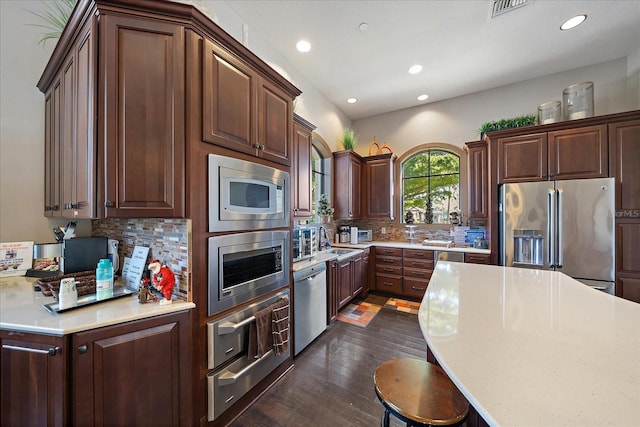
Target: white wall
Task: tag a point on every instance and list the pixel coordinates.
(455, 121)
(22, 61)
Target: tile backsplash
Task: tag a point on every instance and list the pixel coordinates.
(168, 240)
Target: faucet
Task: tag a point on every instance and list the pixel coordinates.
(322, 232)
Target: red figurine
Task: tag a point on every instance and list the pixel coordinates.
(162, 279)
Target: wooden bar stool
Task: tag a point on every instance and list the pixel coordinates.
(418, 393)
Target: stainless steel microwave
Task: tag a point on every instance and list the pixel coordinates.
(246, 196)
(244, 266)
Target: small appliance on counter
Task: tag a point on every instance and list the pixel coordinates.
(344, 232)
(82, 253)
(365, 235)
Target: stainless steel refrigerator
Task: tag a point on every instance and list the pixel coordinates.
(561, 225)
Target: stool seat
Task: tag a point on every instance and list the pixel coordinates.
(419, 393)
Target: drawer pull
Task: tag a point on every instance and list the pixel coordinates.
(387, 283)
(230, 327)
(388, 260)
(417, 289)
(231, 377)
(51, 352)
(418, 273)
(388, 269)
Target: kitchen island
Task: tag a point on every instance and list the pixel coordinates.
(534, 348)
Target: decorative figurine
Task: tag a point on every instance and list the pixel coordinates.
(408, 218)
(163, 280)
(144, 293)
(453, 218)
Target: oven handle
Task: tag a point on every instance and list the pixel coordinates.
(230, 327)
(231, 377)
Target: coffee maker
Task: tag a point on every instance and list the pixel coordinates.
(344, 232)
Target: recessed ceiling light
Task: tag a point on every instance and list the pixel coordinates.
(363, 26)
(352, 100)
(415, 69)
(423, 97)
(573, 22)
(303, 46)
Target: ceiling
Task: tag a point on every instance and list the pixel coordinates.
(462, 49)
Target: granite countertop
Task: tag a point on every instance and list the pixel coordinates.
(407, 245)
(21, 309)
(532, 347)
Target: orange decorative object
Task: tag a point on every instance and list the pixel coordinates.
(374, 143)
(379, 148)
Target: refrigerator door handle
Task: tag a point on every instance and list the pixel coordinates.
(551, 227)
(559, 219)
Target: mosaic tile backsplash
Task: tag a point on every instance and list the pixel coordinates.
(168, 241)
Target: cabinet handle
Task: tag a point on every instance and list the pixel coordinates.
(51, 352)
(262, 147)
(418, 273)
(108, 204)
(387, 283)
(83, 349)
(416, 263)
(417, 289)
(55, 208)
(390, 261)
(388, 269)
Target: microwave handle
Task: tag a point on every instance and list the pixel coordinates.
(230, 327)
(231, 377)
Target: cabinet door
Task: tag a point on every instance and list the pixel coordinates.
(579, 153)
(345, 276)
(628, 288)
(478, 180)
(52, 197)
(301, 172)
(522, 158)
(229, 100)
(624, 145)
(132, 374)
(84, 171)
(68, 135)
(142, 118)
(333, 297)
(346, 185)
(378, 187)
(33, 389)
(275, 112)
(358, 275)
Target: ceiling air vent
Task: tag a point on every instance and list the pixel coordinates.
(504, 6)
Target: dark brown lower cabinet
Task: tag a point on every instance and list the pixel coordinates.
(33, 386)
(133, 374)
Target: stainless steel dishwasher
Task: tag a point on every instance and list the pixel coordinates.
(309, 304)
(448, 256)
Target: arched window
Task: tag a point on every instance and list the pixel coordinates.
(430, 180)
(320, 170)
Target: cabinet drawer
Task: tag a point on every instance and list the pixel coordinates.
(389, 269)
(387, 283)
(418, 263)
(418, 253)
(388, 260)
(477, 258)
(414, 288)
(417, 273)
(388, 251)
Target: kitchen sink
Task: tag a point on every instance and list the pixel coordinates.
(342, 253)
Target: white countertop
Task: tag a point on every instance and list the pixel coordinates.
(21, 309)
(534, 348)
(407, 245)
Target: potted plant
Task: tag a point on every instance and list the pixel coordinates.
(348, 139)
(324, 211)
(515, 122)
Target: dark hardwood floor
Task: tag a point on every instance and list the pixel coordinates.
(331, 383)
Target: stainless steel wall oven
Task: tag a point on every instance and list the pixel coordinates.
(246, 265)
